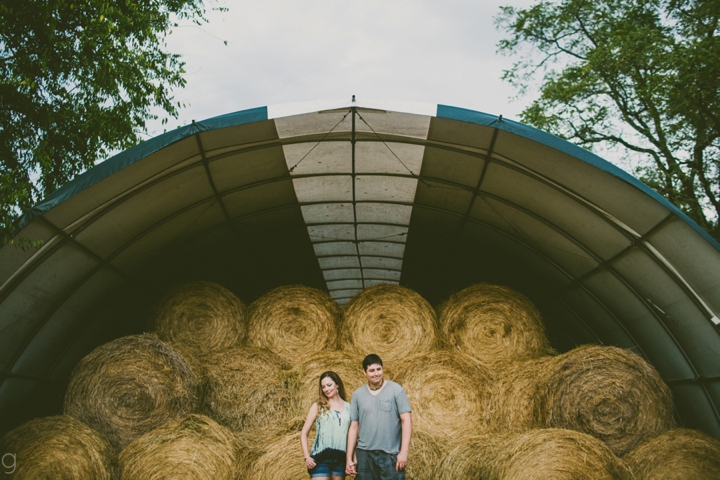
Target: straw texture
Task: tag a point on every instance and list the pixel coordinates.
(608, 392)
(129, 386)
(389, 320)
(494, 324)
(514, 397)
(678, 454)
(246, 387)
(294, 322)
(193, 447)
(58, 448)
(534, 455)
(201, 317)
(448, 391)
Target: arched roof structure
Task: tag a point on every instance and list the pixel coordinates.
(346, 195)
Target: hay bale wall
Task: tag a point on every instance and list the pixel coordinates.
(389, 320)
(193, 447)
(608, 392)
(513, 405)
(472, 418)
(448, 391)
(427, 451)
(130, 386)
(533, 455)
(278, 459)
(201, 317)
(295, 322)
(494, 324)
(58, 448)
(248, 387)
(677, 454)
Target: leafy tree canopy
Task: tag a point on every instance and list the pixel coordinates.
(641, 75)
(79, 79)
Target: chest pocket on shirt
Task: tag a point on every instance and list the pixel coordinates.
(386, 405)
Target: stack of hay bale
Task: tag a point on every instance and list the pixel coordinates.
(220, 391)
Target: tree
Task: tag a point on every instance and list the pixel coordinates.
(79, 80)
(639, 75)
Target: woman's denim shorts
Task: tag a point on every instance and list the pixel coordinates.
(328, 467)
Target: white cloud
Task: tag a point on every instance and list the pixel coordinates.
(285, 51)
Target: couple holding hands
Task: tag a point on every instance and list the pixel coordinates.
(368, 438)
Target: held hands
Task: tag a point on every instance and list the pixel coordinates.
(401, 461)
(310, 462)
(351, 468)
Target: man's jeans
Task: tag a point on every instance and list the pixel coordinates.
(377, 465)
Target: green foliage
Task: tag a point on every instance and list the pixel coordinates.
(642, 75)
(79, 80)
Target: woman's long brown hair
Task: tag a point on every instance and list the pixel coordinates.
(323, 404)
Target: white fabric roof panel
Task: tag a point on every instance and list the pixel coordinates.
(341, 273)
(455, 167)
(247, 168)
(345, 284)
(339, 261)
(547, 202)
(674, 239)
(172, 158)
(129, 218)
(328, 213)
(263, 196)
(333, 188)
(444, 197)
(388, 157)
(314, 158)
(563, 169)
(384, 213)
(393, 264)
(342, 196)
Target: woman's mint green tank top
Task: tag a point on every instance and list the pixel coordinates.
(331, 439)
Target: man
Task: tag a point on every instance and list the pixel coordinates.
(380, 427)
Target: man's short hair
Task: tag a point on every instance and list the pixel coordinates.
(371, 359)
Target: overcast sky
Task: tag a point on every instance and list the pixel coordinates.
(287, 51)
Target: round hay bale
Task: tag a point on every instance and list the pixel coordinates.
(494, 324)
(347, 365)
(608, 392)
(426, 453)
(294, 321)
(389, 320)
(677, 454)
(533, 455)
(129, 386)
(254, 442)
(246, 387)
(280, 458)
(201, 317)
(192, 447)
(58, 448)
(448, 391)
(513, 403)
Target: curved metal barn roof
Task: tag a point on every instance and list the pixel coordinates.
(344, 196)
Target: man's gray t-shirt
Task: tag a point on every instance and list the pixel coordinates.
(379, 417)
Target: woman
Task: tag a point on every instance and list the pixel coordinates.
(331, 414)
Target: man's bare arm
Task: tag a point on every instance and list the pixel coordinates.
(402, 458)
